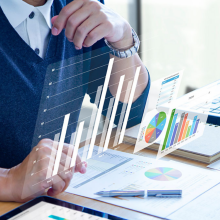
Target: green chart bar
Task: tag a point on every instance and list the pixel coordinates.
(188, 131)
(168, 129)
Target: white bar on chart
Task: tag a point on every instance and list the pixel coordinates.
(60, 147)
(122, 113)
(129, 105)
(76, 147)
(105, 127)
(111, 123)
(91, 124)
(70, 151)
(101, 104)
(52, 155)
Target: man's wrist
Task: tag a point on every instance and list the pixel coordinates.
(126, 42)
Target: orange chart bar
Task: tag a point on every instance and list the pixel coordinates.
(185, 130)
(183, 126)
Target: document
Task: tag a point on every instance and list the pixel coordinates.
(215, 165)
(114, 170)
(205, 207)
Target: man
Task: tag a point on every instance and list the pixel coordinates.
(27, 48)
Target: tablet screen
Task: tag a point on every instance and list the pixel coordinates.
(48, 211)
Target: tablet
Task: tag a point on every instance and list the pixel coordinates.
(48, 208)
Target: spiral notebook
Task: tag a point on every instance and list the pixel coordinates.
(205, 149)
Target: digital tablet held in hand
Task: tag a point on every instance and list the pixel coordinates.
(45, 207)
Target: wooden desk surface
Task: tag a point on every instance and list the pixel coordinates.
(108, 208)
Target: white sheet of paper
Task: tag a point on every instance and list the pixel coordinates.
(215, 165)
(205, 207)
(113, 170)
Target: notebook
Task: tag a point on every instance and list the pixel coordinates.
(205, 149)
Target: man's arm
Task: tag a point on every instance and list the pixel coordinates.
(88, 21)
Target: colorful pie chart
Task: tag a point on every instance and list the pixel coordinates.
(163, 174)
(155, 128)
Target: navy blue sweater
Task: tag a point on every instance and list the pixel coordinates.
(23, 74)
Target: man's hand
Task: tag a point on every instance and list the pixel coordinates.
(87, 21)
(28, 179)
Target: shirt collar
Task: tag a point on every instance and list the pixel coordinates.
(23, 10)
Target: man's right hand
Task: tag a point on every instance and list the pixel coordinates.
(28, 179)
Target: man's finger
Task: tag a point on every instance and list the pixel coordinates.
(95, 35)
(60, 22)
(75, 20)
(58, 185)
(84, 29)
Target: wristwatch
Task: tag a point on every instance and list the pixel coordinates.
(125, 53)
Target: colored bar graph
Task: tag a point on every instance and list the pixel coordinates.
(171, 130)
(196, 126)
(101, 104)
(168, 129)
(193, 125)
(188, 132)
(129, 105)
(183, 126)
(111, 123)
(174, 134)
(76, 147)
(179, 128)
(56, 217)
(60, 147)
(185, 130)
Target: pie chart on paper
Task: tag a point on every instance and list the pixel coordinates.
(163, 174)
(155, 127)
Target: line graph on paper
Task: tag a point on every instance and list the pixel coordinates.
(58, 112)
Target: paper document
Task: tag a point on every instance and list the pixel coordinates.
(204, 207)
(215, 165)
(114, 170)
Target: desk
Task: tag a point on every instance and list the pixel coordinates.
(108, 208)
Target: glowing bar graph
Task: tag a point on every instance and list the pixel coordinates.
(105, 127)
(111, 123)
(76, 147)
(52, 156)
(60, 147)
(91, 124)
(129, 105)
(99, 113)
(70, 151)
(122, 113)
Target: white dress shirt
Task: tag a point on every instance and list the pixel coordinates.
(33, 24)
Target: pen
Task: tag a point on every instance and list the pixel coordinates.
(150, 193)
(121, 193)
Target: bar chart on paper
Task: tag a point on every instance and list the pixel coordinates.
(182, 127)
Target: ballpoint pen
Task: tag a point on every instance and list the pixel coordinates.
(150, 193)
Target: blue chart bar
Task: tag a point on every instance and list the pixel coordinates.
(193, 125)
(196, 126)
(171, 130)
(169, 80)
(56, 217)
(174, 134)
